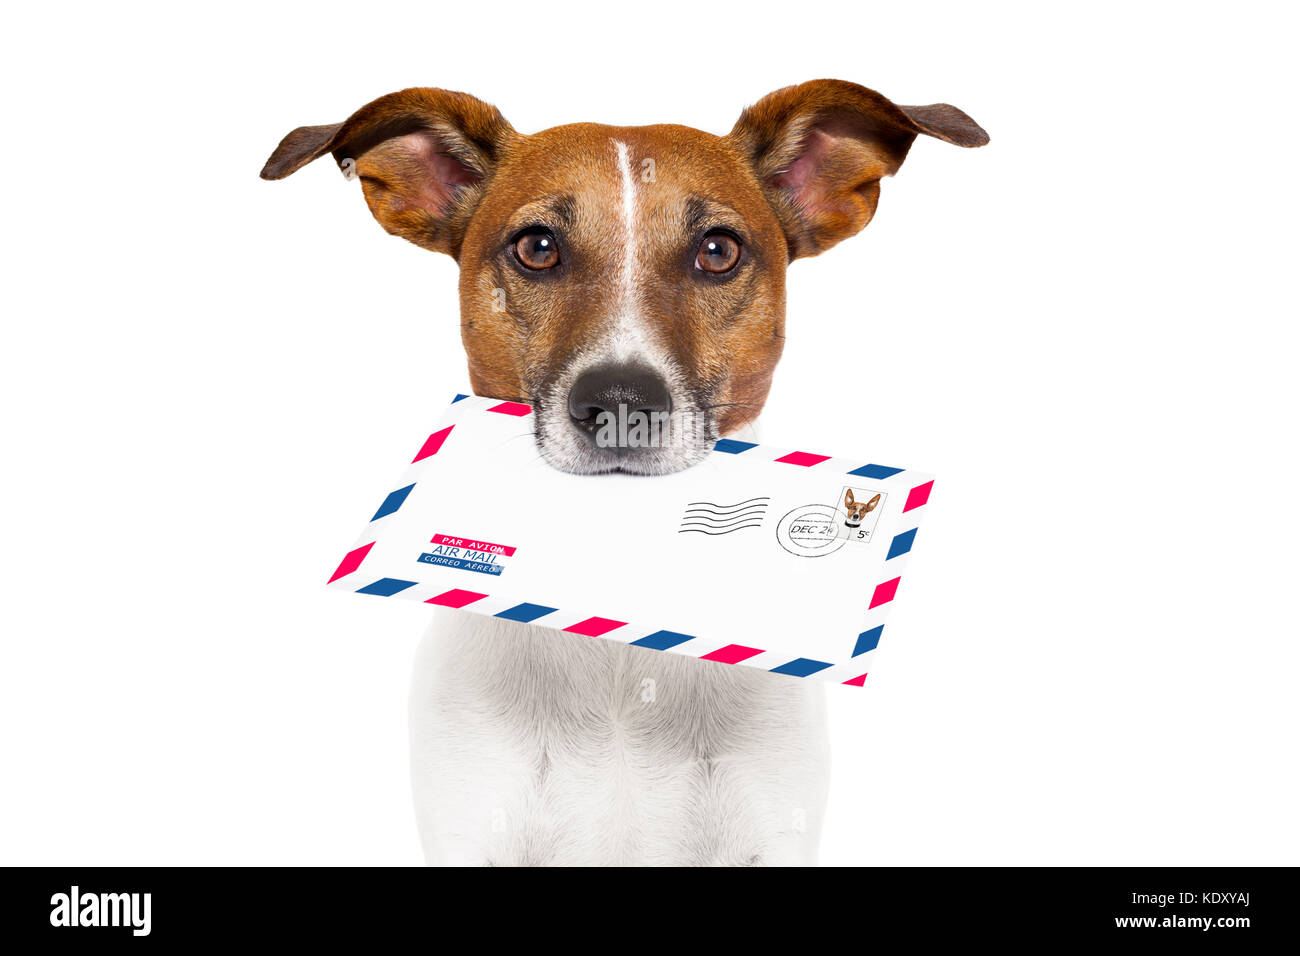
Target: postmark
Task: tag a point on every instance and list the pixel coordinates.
(811, 531)
(718, 518)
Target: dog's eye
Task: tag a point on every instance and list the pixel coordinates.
(537, 249)
(718, 252)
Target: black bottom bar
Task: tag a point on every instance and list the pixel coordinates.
(1178, 906)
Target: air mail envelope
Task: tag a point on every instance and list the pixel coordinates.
(759, 556)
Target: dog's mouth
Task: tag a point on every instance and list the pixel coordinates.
(630, 443)
(630, 413)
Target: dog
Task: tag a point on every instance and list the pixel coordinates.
(605, 269)
(855, 511)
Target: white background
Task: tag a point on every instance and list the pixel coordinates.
(1086, 329)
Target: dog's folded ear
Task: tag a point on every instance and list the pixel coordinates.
(422, 155)
(820, 149)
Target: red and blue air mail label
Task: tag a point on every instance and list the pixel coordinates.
(467, 554)
(782, 559)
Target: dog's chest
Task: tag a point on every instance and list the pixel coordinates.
(531, 746)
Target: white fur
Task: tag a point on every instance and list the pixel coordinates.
(628, 339)
(631, 234)
(534, 747)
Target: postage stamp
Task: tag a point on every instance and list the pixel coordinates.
(861, 509)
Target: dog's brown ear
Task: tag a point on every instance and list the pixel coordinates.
(820, 149)
(423, 156)
(848, 498)
(871, 505)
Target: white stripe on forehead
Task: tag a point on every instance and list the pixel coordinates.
(629, 193)
(629, 340)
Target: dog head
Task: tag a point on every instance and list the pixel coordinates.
(629, 282)
(855, 511)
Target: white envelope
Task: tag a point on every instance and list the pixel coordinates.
(752, 557)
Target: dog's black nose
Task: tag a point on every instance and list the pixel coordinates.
(622, 391)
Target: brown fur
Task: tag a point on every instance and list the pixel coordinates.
(800, 171)
(857, 510)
